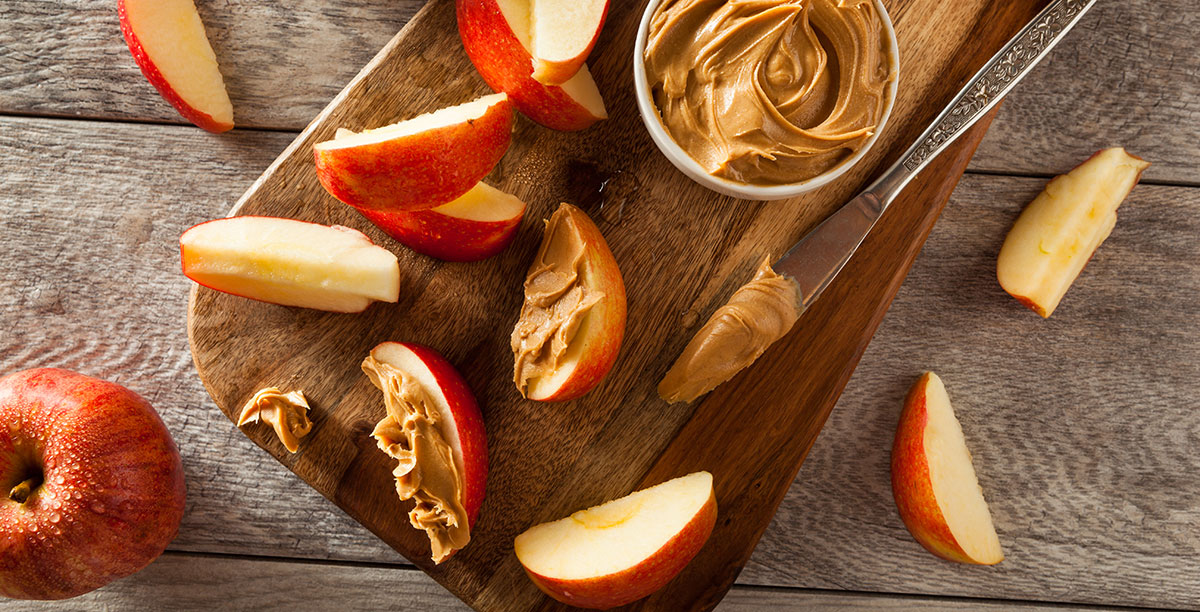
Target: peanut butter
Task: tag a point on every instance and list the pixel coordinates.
(758, 314)
(556, 301)
(415, 433)
(769, 91)
(287, 413)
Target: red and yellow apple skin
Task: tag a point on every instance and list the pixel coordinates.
(604, 326)
(111, 492)
(199, 117)
(445, 233)
(641, 580)
(506, 65)
(468, 420)
(417, 171)
(912, 482)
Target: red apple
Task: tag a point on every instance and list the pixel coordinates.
(168, 43)
(417, 164)
(460, 423)
(934, 482)
(91, 481)
(497, 37)
(476, 225)
(581, 349)
(623, 550)
(290, 262)
(563, 34)
(1057, 233)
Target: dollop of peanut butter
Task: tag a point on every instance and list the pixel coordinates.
(556, 301)
(758, 314)
(287, 413)
(769, 91)
(414, 433)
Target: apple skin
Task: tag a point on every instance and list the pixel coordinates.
(419, 171)
(506, 65)
(912, 485)
(608, 316)
(447, 237)
(198, 117)
(468, 421)
(652, 574)
(113, 492)
(557, 73)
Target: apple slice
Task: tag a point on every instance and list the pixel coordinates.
(934, 483)
(434, 427)
(168, 43)
(573, 318)
(289, 262)
(497, 37)
(563, 34)
(623, 550)
(476, 225)
(1057, 233)
(417, 164)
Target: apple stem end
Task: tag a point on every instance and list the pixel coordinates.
(22, 491)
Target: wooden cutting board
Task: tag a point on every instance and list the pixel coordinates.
(682, 251)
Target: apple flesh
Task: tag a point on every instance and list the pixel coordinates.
(476, 225)
(462, 423)
(91, 484)
(623, 550)
(497, 36)
(934, 482)
(289, 262)
(1057, 233)
(168, 43)
(592, 350)
(420, 163)
(563, 34)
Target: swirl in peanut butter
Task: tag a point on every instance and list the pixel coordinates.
(769, 91)
(759, 313)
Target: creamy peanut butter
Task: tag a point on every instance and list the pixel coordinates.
(769, 91)
(556, 301)
(758, 314)
(414, 433)
(287, 413)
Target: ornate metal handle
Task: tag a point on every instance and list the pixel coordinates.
(984, 91)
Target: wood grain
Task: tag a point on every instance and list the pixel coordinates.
(1106, 521)
(1124, 76)
(547, 461)
(201, 582)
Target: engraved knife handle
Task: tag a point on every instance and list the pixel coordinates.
(983, 92)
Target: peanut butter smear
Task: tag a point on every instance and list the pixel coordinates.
(287, 413)
(556, 302)
(413, 433)
(758, 314)
(769, 91)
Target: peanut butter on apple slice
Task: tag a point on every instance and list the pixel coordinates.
(758, 314)
(287, 413)
(412, 433)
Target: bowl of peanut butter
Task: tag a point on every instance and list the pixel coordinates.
(765, 99)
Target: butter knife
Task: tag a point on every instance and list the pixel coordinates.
(816, 259)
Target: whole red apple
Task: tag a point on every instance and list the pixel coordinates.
(91, 485)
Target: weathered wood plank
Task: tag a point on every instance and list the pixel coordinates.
(1125, 76)
(282, 61)
(1081, 426)
(197, 582)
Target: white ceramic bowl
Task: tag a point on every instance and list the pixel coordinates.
(694, 171)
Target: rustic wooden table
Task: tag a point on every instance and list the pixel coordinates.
(1083, 428)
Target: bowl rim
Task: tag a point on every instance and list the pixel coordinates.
(693, 170)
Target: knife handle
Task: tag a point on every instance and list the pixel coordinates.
(984, 91)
